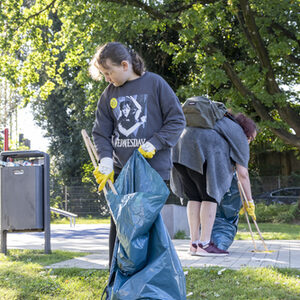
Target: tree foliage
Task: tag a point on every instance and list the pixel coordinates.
(241, 52)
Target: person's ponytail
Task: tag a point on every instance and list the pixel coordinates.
(247, 124)
(138, 64)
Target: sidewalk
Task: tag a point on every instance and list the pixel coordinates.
(93, 238)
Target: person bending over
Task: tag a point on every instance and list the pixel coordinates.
(204, 163)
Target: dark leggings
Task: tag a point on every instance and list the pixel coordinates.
(194, 183)
(112, 239)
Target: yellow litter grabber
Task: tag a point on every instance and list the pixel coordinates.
(245, 202)
(94, 157)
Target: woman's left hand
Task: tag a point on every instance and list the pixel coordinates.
(147, 150)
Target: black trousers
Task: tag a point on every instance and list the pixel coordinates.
(111, 240)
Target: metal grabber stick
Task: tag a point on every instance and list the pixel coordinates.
(95, 158)
(246, 215)
(244, 200)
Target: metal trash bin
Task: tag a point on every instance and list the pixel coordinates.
(24, 196)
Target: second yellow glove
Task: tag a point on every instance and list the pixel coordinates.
(147, 150)
(250, 208)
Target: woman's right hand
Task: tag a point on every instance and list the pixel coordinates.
(104, 172)
(250, 208)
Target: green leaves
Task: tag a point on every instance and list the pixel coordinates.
(199, 47)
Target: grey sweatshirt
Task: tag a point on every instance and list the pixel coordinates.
(221, 147)
(144, 109)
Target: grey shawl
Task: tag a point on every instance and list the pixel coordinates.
(221, 147)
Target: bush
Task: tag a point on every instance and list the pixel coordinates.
(275, 213)
(180, 235)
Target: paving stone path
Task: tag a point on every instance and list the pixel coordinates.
(93, 238)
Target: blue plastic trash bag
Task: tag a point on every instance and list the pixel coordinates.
(227, 217)
(145, 264)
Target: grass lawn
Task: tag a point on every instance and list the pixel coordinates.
(80, 220)
(269, 231)
(22, 276)
(246, 283)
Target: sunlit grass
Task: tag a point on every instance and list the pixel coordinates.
(247, 283)
(80, 220)
(38, 256)
(22, 276)
(269, 231)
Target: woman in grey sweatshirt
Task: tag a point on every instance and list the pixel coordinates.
(137, 110)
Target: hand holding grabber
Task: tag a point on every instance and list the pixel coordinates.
(95, 158)
(246, 206)
(246, 214)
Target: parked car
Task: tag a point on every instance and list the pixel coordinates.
(287, 195)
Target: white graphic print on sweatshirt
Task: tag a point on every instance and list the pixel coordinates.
(131, 115)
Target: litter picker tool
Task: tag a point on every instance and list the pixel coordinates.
(245, 202)
(246, 215)
(95, 158)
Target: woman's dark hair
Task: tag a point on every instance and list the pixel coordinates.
(247, 124)
(116, 52)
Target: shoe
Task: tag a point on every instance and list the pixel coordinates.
(210, 250)
(193, 249)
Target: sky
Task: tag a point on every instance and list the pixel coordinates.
(31, 131)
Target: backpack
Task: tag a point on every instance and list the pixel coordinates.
(202, 112)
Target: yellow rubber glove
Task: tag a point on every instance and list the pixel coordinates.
(104, 172)
(101, 179)
(250, 208)
(147, 150)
